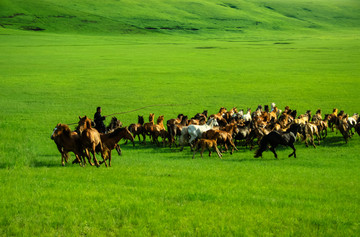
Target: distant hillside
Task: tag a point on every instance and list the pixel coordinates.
(173, 16)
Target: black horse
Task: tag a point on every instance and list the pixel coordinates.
(275, 138)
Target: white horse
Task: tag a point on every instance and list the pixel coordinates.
(247, 116)
(238, 115)
(352, 121)
(191, 132)
(273, 105)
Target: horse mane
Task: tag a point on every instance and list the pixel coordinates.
(66, 130)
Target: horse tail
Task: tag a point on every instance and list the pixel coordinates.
(262, 147)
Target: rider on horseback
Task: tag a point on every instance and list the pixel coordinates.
(98, 119)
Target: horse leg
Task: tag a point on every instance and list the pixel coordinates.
(312, 141)
(109, 155)
(294, 150)
(318, 138)
(118, 149)
(218, 152)
(94, 157)
(88, 157)
(63, 158)
(273, 151)
(104, 157)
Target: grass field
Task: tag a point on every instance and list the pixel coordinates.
(93, 54)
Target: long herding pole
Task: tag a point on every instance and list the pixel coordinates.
(148, 106)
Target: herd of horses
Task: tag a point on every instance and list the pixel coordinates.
(266, 126)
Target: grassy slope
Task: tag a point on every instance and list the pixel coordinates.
(113, 17)
(54, 76)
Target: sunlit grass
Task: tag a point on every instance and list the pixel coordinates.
(56, 75)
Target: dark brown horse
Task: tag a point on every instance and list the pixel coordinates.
(110, 141)
(276, 138)
(90, 138)
(171, 127)
(67, 141)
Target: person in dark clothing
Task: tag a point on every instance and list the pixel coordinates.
(99, 121)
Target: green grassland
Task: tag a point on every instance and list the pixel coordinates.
(62, 59)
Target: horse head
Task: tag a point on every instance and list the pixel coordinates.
(128, 135)
(55, 131)
(212, 122)
(141, 119)
(160, 119)
(84, 123)
(151, 117)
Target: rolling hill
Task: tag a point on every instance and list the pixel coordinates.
(173, 16)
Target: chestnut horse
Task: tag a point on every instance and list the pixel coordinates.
(110, 142)
(137, 129)
(148, 127)
(67, 141)
(90, 138)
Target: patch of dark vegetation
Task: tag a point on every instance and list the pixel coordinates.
(209, 47)
(307, 9)
(150, 28)
(229, 5)
(175, 28)
(258, 22)
(33, 28)
(87, 21)
(268, 7)
(64, 16)
(14, 15)
(282, 43)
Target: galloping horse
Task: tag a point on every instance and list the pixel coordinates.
(67, 141)
(195, 131)
(275, 138)
(110, 142)
(137, 128)
(90, 138)
(148, 127)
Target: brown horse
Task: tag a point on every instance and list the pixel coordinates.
(110, 141)
(90, 138)
(206, 144)
(137, 129)
(219, 116)
(148, 127)
(67, 141)
(171, 127)
(158, 130)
